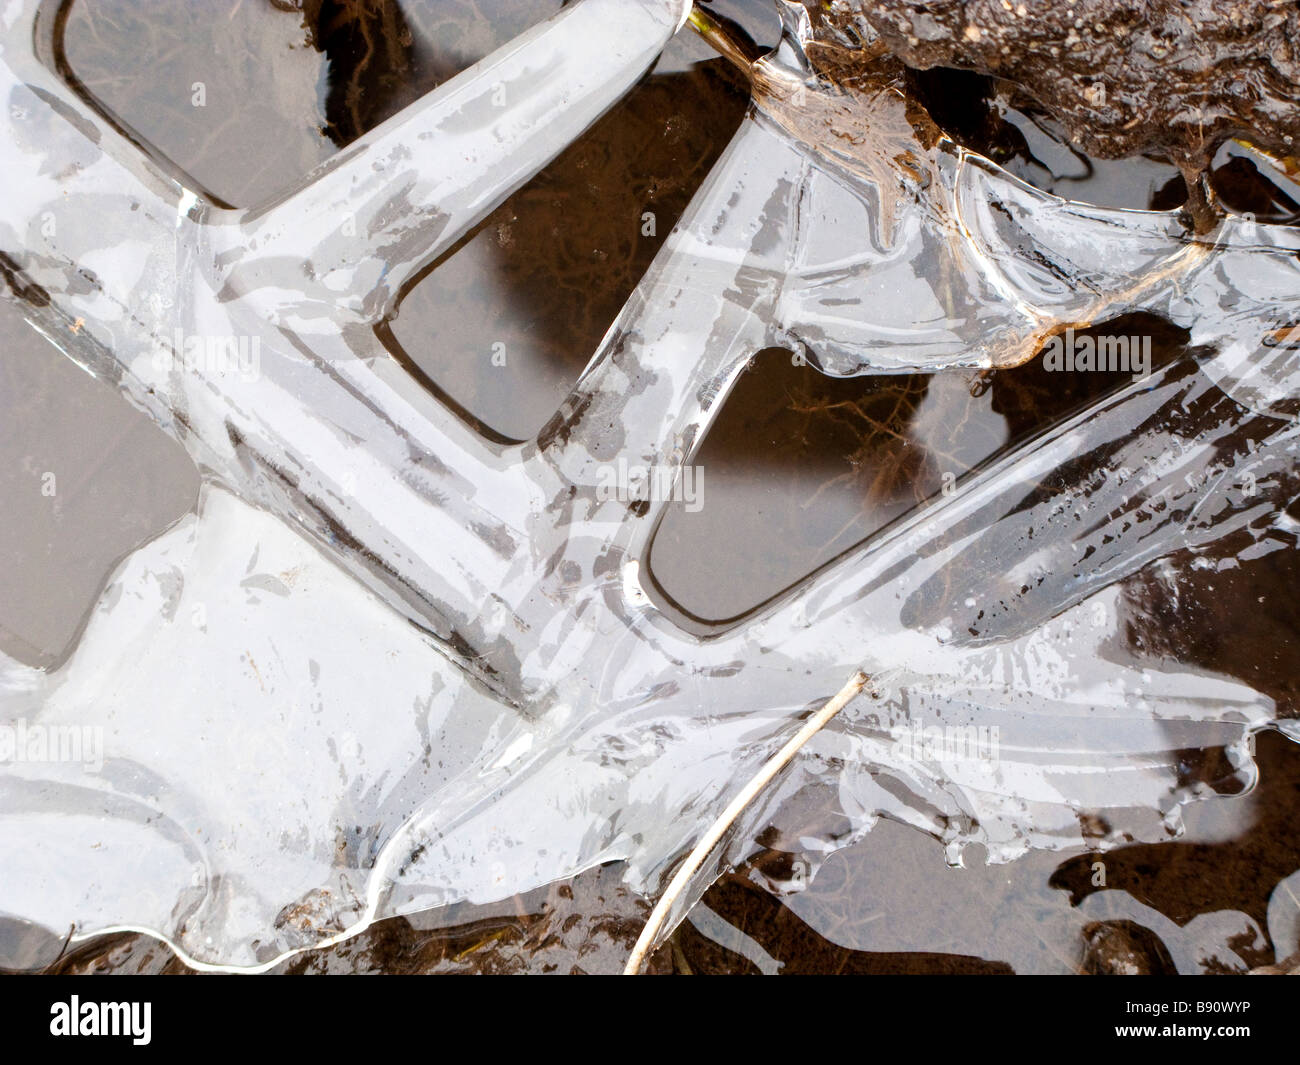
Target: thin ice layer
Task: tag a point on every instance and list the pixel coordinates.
(267, 793)
(496, 703)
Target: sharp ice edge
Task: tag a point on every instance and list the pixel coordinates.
(257, 797)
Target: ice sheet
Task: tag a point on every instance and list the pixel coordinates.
(389, 665)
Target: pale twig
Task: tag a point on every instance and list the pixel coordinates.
(701, 851)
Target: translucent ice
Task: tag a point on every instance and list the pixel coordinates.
(389, 665)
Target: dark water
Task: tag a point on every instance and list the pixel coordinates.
(805, 465)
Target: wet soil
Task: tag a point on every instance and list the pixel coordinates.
(1124, 77)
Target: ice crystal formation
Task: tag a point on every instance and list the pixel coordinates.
(388, 664)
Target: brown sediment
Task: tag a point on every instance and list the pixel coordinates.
(1125, 77)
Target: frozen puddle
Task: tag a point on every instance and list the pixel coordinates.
(390, 665)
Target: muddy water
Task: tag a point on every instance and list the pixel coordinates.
(798, 469)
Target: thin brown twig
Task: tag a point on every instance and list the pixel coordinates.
(682, 879)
